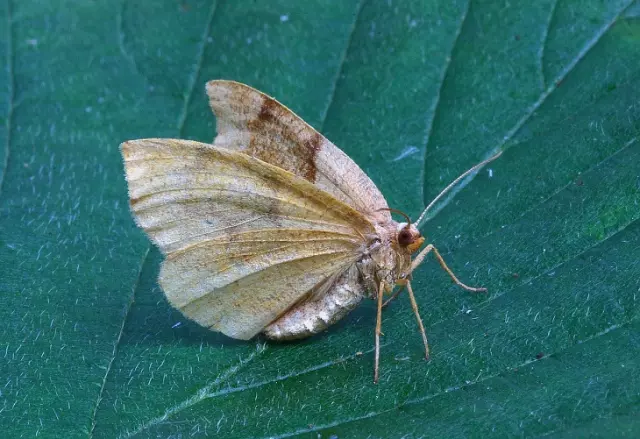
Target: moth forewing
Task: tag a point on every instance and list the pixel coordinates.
(244, 240)
(251, 122)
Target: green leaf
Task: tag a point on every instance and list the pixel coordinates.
(416, 92)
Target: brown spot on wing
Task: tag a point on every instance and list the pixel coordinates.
(274, 141)
(268, 111)
(313, 146)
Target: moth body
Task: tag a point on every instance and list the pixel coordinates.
(318, 313)
(391, 255)
(383, 259)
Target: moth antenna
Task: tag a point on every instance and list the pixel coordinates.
(399, 212)
(452, 184)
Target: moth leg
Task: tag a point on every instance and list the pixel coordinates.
(414, 305)
(418, 260)
(378, 332)
(395, 295)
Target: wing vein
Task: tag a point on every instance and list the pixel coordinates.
(274, 266)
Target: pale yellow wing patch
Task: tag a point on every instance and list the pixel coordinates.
(250, 291)
(256, 124)
(244, 240)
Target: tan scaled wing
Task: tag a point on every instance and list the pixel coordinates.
(244, 240)
(249, 121)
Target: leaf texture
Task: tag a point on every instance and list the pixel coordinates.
(415, 92)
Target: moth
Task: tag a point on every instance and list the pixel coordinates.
(271, 229)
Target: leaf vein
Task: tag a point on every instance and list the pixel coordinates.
(543, 44)
(202, 394)
(120, 33)
(182, 118)
(10, 101)
(116, 345)
(289, 375)
(343, 60)
(436, 102)
(443, 75)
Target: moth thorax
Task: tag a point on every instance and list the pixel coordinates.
(409, 237)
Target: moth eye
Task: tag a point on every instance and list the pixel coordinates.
(405, 237)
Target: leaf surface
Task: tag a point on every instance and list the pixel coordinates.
(415, 92)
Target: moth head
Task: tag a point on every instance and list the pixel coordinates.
(409, 237)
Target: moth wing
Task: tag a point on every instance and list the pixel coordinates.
(249, 121)
(244, 240)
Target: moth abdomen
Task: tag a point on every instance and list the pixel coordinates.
(317, 314)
